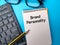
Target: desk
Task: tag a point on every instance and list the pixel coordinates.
(53, 13)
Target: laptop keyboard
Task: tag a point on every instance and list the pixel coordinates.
(9, 27)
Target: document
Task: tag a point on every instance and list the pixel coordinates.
(37, 22)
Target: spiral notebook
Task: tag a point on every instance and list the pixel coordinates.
(38, 23)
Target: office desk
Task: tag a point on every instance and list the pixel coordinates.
(53, 13)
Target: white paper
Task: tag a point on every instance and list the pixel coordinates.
(37, 22)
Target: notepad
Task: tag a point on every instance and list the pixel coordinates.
(38, 23)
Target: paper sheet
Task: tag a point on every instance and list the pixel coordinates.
(37, 22)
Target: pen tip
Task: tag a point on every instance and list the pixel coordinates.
(27, 31)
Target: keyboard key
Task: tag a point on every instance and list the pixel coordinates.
(4, 16)
(12, 36)
(4, 28)
(8, 32)
(4, 44)
(9, 15)
(1, 23)
(8, 39)
(0, 30)
(16, 35)
(0, 18)
(3, 8)
(14, 30)
(3, 34)
(9, 25)
(11, 19)
(14, 24)
(5, 21)
(3, 40)
(5, 11)
(0, 36)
